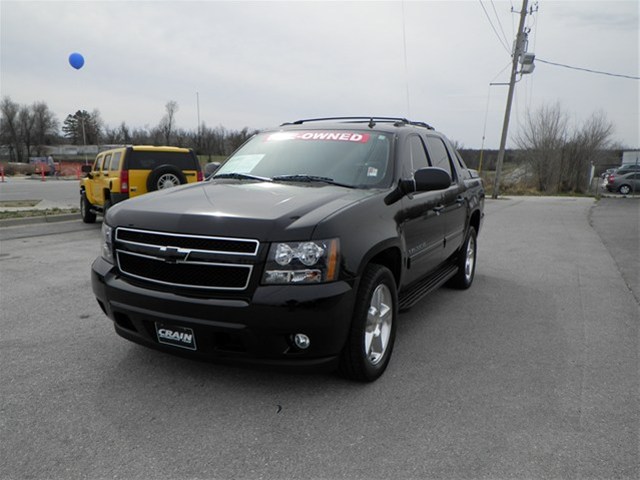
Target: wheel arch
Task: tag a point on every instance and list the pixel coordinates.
(474, 221)
(389, 257)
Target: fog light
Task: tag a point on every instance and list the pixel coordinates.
(301, 341)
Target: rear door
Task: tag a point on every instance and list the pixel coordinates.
(94, 185)
(105, 177)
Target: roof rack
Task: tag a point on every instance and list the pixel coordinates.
(397, 121)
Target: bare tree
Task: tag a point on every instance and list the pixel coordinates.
(542, 139)
(9, 129)
(183, 138)
(45, 126)
(167, 123)
(125, 133)
(583, 149)
(26, 122)
(141, 136)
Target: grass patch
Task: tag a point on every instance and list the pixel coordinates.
(38, 213)
(19, 203)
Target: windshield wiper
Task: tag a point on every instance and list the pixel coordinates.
(308, 178)
(242, 176)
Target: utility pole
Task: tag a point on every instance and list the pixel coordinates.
(198, 109)
(517, 51)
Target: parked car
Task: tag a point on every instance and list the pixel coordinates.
(629, 167)
(625, 184)
(127, 172)
(299, 250)
(606, 173)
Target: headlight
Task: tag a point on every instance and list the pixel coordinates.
(302, 262)
(107, 243)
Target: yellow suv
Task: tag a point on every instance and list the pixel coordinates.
(126, 172)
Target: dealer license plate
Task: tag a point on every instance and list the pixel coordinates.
(182, 337)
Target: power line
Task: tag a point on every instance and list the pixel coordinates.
(499, 22)
(587, 69)
(502, 42)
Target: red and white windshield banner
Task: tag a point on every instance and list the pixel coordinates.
(319, 135)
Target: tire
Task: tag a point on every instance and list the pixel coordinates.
(373, 327)
(85, 209)
(165, 176)
(624, 189)
(466, 262)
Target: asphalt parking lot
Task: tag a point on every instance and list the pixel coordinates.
(532, 373)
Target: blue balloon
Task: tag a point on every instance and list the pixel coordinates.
(76, 60)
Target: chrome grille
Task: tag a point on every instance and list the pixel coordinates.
(230, 246)
(191, 261)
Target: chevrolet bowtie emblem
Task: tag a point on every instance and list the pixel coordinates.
(173, 254)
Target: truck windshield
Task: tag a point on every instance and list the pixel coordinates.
(352, 158)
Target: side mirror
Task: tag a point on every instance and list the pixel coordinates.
(86, 168)
(430, 179)
(426, 179)
(210, 168)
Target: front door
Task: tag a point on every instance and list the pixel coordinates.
(420, 220)
(454, 211)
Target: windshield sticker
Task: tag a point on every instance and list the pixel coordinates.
(330, 136)
(245, 163)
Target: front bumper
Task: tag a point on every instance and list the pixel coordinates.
(257, 330)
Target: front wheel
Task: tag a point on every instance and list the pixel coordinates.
(466, 262)
(368, 349)
(85, 209)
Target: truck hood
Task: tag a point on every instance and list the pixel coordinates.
(260, 210)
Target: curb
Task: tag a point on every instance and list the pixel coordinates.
(66, 217)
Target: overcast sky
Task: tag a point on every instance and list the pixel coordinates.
(259, 64)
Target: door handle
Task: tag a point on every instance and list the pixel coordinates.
(460, 199)
(438, 209)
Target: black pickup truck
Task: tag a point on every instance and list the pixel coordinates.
(300, 249)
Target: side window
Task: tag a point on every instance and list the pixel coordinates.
(105, 165)
(98, 165)
(417, 157)
(460, 160)
(115, 162)
(439, 155)
(462, 165)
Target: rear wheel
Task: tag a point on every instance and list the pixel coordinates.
(368, 349)
(85, 209)
(625, 189)
(466, 262)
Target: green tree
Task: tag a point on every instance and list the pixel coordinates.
(83, 128)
